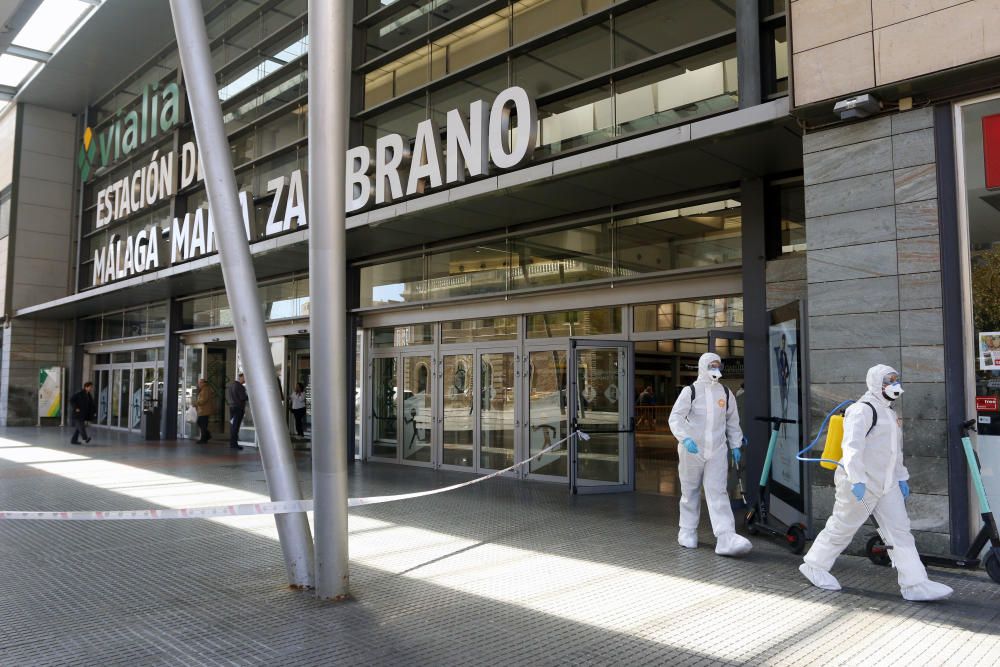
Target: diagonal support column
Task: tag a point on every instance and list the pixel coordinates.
(241, 286)
(329, 94)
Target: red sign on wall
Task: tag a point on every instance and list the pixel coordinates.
(987, 404)
(991, 150)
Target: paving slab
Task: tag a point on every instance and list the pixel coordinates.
(505, 572)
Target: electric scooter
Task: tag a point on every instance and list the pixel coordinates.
(878, 553)
(757, 517)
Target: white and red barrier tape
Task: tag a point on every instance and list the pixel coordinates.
(251, 509)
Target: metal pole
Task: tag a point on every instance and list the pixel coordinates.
(241, 286)
(329, 80)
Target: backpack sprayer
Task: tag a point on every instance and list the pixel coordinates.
(878, 548)
(833, 452)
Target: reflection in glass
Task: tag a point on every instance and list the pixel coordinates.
(533, 18)
(122, 404)
(457, 441)
(569, 323)
(689, 237)
(103, 391)
(793, 219)
(497, 401)
(481, 269)
(384, 426)
(547, 421)
(699, 314)
(563, 257)
(393, 283)
(600, 383)
(418, 415)
(483, 329)
(642, 33)
(136, 399)
(679, 92)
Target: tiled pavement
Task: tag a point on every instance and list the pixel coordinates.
(501, 573)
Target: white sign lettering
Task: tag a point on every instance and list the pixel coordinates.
(485, 135)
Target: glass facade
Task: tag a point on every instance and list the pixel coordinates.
(625, 247)
(598, 69)
(980, 149)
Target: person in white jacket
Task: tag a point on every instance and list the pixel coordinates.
(872, 467)
(706, 429)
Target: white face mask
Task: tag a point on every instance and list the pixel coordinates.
(715, 374)
(893, 391)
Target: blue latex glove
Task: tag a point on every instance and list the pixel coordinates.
(737, 455)
(858, 490)
(905, 488)
(691, 446)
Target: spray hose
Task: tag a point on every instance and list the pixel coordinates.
(801, 456)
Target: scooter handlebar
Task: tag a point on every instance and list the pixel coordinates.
(968, 426)
(775, 420)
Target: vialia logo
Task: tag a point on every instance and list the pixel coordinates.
(157, 112)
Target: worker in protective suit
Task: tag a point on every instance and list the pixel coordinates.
(872, 468)
(706, 428)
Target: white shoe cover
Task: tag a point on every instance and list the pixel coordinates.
(926, 592)
(819, 578)
(688, 538)
(731, 544)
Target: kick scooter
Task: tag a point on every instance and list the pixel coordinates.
(876, 549)
(757, 517)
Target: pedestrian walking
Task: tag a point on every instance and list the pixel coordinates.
(236, 398)
(205, 404)
(84, 409)
(298, 401)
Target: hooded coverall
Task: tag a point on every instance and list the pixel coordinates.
(714, 424)
(875, 459)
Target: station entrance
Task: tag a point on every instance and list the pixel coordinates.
(480, 394)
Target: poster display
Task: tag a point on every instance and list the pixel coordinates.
(784, 348)
(785, 372)
(989, 351)
(50, 392)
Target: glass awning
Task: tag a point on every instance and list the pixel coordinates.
(39, 37)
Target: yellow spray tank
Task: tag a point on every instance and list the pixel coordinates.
(832, 450)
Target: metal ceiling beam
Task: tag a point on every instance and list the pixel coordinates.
(30, 54)
(17, 19)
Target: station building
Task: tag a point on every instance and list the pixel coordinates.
(643, 181)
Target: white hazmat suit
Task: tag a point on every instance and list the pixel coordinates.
(874, 459)
(713, 423)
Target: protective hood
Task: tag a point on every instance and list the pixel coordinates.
(875, 375)
(703, 363)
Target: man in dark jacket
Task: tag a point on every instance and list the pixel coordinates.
(236, 398)
(83, 409)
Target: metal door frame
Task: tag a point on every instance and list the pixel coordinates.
(626, 458)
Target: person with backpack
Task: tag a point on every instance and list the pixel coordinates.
(872, 467)
(706, 423)
(83, 409)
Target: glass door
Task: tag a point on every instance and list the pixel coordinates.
(546, 410)
(497, 390)
(417, 409)
(385, 441)
(601, 399)
(192, 368)
(136, 399)
(458, 410)
(103, 396)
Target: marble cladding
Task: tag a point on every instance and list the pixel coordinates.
(874, 289)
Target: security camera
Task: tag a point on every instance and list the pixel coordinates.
(859, 106)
